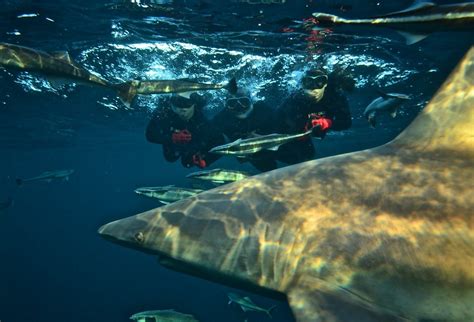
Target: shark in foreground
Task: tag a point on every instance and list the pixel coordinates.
(382, 234)
(48, 176)
(247, 304)
(416, 22)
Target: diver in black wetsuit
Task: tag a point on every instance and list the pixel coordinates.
(319, 104)
(242, 118)
(184, 132)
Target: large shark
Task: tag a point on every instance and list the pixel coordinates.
(416, 22)
(385, 231)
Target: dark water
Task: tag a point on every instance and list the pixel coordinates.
(53, 265)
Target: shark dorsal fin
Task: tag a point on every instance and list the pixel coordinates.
(417, 6)
(64, 56)
(447, 122)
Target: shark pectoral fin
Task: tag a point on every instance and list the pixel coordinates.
(165, 202)
(412, 38)
(186, 94)
(371, 119)
(127, 92)
(308, 305)
(244, 308)
(274, 148)
(66, 178)
(393, 113)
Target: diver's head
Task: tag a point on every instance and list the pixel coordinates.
(314, 83)
(240, 104)
(183, 106)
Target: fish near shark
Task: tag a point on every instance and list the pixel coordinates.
(385, 233)
(243, 147)
(385, 102)
(247, 304)
(414, 23)
(47, 176)
(56, 64)
(167, 194)
(218, 176)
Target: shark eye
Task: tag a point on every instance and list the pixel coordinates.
(139, 237)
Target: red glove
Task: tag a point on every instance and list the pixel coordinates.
(181, 137)
(199, 161)
(317, 120)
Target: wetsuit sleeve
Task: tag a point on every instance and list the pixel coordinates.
(340, 112)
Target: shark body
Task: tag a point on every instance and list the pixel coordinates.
(57, 64)
(416, 22)
(48, 176)
(386, 233)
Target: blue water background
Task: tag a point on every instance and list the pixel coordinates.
(54, 267)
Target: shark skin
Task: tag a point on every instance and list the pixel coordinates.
(57, 64)
(385, 233)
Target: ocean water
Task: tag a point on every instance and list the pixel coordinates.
(54, 267)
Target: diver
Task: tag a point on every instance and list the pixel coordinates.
(242, 118)
(320, 104)
(184, 132)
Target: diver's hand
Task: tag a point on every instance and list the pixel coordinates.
(319, 124)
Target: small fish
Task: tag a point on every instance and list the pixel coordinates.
(167, 194)
(386, 102)
(416, 22)
(243, 147)
(127, 91)
(47, 176)
(247, 304)
(55, 64)
(219, 176)
(162, 315)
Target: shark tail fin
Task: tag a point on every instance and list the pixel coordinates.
(127, 92)
(19, 181)
(231, 86)
(269, 311)
(445, 124)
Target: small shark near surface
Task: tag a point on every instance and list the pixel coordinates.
(247, 304)
(244, 147)
(383, 234)
(219, 175)
(55, 64)
(162, 316)
(167, 194)
(128, 91)
(386, 102)
(59, 65)
(414, 23)
(48, 176)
